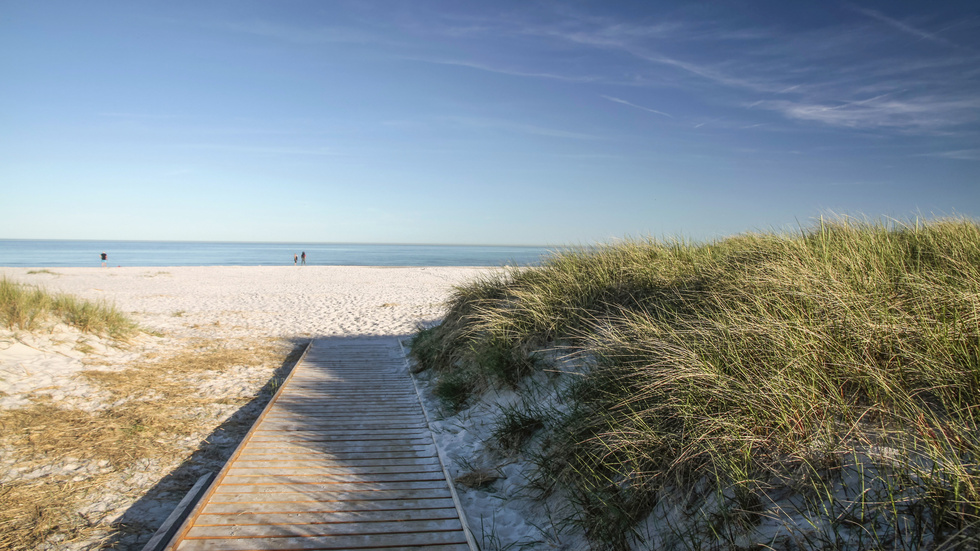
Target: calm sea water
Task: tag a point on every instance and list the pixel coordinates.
(53, 253)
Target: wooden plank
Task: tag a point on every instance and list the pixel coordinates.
(392, 433)
(363, 474)
(345, 413)
(313, 467)
(353, 392)
(303, 397)
(312, 443)
(346, 486)
(413, 527)
(368, 504)
(239, 470)
(297, 428)
(315, 455)
(323, 443)
(315, 405)
(345, 426)
(339, 457)
(389, 542)
(382, 433)
(324, 434)
(348, 424)
(335, 410)
(327, 463)
(252, 518)
(354, 492)
(297, 445)
(382, 410)
(327, 428)
(365, 387)
(329, 478)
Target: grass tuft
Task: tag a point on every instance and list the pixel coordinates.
(516, 426)
(30, 308)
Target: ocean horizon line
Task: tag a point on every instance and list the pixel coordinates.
(233, 242)
(147, 253)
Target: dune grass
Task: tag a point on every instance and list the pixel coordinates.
(818, 390)
(29, 308)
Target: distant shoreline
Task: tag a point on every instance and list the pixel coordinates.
(86, 253)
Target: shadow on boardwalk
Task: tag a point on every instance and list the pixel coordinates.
(342, 459)
(138, 524)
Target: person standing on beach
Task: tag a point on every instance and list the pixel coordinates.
(294, 259)
(105, 259)
(304, 258)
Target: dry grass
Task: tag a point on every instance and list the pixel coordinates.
(156, 405)
(34, 510)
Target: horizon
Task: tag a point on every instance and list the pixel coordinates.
(815, 223)
(532, 246)
(440, 123)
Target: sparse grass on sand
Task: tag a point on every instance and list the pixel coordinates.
(153, 412)
(809, 391)
(156, 405)
(28, 308)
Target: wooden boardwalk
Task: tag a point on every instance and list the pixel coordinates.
(342, 458)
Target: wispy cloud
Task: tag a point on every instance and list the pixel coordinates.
(624, 102)
(846, 76)
(857, 74)
(647, 43)
(504, 71)
(904, 27)
(959, 154)
(922, 113)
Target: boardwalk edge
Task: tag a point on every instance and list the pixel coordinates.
(188, 519)
(470, 540)
(173, 523)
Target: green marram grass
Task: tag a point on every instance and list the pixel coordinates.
(31, 308)
(817, 390)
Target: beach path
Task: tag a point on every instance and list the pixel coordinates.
(341, 458)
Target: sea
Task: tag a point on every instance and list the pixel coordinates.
(78, 253)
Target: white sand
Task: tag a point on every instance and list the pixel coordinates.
(284, 301)
(178, 304)
(224, 302)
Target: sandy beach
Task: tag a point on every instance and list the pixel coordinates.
(256, 316)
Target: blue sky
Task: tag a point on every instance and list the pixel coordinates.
(552, 123)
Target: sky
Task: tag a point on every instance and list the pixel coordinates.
(494, 122)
